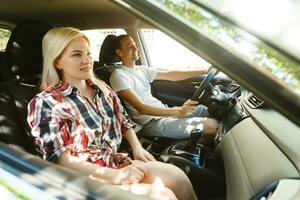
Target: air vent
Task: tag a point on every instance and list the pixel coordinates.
(254, 102)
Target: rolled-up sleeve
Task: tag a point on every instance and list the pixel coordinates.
(50, 133)
(121, 114)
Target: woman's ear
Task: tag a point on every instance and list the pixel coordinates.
(56, 64)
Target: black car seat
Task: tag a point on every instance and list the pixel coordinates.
(108, 60)
(107, 55)
(23, 55)
(22, 70)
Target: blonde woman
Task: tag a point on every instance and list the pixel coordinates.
(78, 122)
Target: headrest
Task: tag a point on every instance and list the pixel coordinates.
(23, 55)
(107, 54)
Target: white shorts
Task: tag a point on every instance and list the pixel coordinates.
(176, 127)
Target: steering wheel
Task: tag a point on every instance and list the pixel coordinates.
(204, 84)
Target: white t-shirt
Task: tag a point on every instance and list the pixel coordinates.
(138, 79)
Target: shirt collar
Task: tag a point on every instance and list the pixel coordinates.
(66, 89)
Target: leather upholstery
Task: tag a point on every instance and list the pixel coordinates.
(107, 59)
(107, 55)
(22, 69)
(23, 55)
(14, 97)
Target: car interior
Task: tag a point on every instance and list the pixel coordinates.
(255, 156)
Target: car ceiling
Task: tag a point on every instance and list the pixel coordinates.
(83, 14)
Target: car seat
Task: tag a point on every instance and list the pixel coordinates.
(22, 71)
(108, 60)
(23, 55)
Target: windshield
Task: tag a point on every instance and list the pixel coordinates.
(237, 41)
(276, 21)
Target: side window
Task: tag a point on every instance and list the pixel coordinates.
(96, 37)
(165, 53)
(4, 36)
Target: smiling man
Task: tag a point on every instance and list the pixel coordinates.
(132, 83)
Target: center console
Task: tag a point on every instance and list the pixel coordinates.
(196, 156)
(205, 172)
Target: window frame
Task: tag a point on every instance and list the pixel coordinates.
(9, 28)
(261, 84)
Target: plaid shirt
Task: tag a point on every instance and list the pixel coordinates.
(61, 119)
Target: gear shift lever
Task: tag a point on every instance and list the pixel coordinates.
(189, 149)
(190, 145)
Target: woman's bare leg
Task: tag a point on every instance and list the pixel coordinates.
(171, 176)
(150, 190)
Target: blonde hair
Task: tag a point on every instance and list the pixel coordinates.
(54, 44)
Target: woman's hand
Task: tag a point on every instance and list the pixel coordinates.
(187, 108)
(131, 174)
(139, 153)
(143, 155)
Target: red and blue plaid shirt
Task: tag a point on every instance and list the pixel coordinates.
(61, 119)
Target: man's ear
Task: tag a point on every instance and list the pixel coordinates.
(119, 52)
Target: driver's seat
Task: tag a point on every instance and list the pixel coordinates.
(108, 62)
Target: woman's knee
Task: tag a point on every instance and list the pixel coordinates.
(175, 179)
(182, 187)
(172, 174)
(163, 193)
(153, 191)
(179, 177)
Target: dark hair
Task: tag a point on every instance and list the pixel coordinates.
(118, 39)
(108, 49)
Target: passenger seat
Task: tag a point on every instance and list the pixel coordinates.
(22, 71)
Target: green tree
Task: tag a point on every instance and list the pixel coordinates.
(4, 36)
(232, 38)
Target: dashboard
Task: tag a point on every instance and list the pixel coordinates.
(262, 148)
